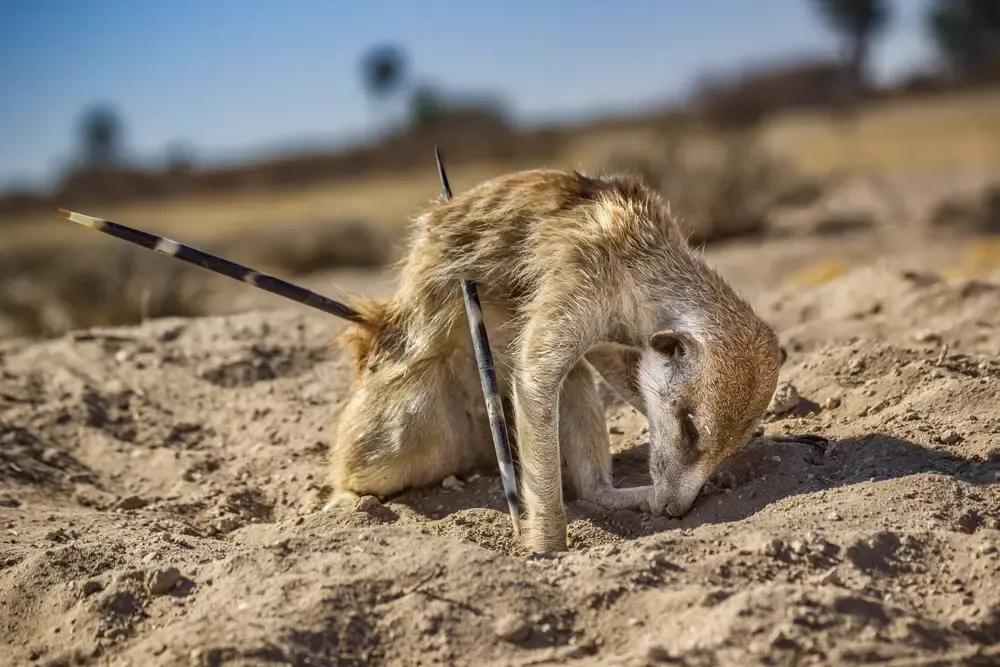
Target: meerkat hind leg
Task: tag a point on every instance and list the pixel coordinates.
(397, 434)
(586, 448)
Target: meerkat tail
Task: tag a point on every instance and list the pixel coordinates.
(488, 379)
(217, 264)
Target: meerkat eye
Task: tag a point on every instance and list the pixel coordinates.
(689, 432)
(667, 343)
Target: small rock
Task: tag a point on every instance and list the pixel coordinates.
(452, 483)
(987, 548)
(856, 366)
(131, 503)
(831, 403)
(785, 399)
(798, 547)
(949, 437)
(162, 580)
(512, 628)
(7, 500)
(368, 504)
(833, 515)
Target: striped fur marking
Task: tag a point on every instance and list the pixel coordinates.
(216, 264)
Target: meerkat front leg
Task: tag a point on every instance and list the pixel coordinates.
(552, 343)
(586, 447)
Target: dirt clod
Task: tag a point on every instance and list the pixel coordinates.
(161, 580)
(949, 437)
(785, 399)
(512, 628)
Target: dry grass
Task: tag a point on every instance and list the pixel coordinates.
(958, 130)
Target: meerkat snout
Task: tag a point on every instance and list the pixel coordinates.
(704, 397)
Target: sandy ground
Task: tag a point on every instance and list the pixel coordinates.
(159, 485)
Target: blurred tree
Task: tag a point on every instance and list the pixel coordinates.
(427, 107)
(100, 137)
(967, 33)
(384, 70)
(857, 21)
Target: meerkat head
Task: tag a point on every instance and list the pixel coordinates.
(705, 395)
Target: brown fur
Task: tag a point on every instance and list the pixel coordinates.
(575, 274)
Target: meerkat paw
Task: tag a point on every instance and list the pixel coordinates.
(640, 498)
(341, 500)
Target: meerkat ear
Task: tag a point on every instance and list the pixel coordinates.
(668, 343)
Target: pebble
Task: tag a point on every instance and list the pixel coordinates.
(453, 483)
(833, 515)
(162, 580)
(368, 504)
(949, 437)
(512, 628)
(785, 399)
(831, 403)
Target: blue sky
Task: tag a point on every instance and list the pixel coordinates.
(237, 78)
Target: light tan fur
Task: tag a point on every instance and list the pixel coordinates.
(575, 274)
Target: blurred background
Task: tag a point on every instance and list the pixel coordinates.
(796, 139)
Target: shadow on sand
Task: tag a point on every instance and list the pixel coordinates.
(766, 471)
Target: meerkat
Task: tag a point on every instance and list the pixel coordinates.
(578, 275)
